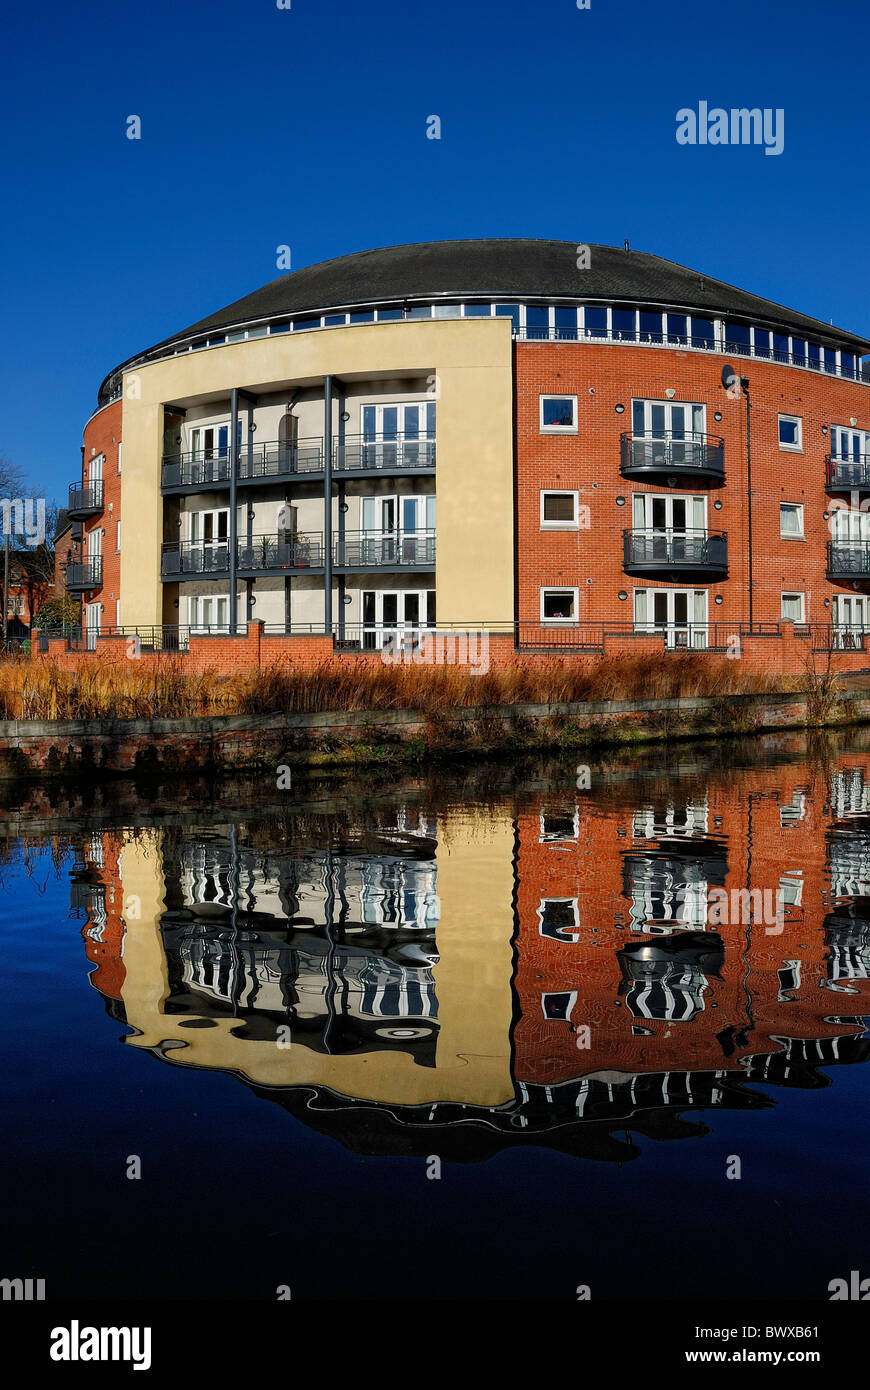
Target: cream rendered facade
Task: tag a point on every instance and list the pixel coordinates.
(465, 366)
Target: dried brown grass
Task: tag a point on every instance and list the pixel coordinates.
(165, 689)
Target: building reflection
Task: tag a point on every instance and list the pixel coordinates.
(555, 971)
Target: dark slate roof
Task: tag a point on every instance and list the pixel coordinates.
(521, 268)
(507, 269)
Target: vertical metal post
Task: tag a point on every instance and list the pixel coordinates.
(6, 586)
(327, 504)
(234, 520)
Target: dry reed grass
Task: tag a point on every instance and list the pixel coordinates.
(164, 689)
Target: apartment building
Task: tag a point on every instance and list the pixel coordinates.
(493, 433)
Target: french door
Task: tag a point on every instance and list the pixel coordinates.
(209, 613)
(675, 528)
(670, 421)
(396, 616)
(93, 617)
(849, 526)
(398, 436)
(851, 618)
(209, 540)
(210, 452)
(681, 614)
(398, 530)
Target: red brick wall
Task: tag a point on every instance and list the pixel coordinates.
(103, 436)
(589, 462)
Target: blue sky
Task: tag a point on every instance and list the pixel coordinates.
(307, 127)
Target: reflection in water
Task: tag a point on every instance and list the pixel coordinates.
(542, 969)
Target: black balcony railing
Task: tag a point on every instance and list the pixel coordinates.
(303, 551)
(402, 452)
(841, 475)
(195, 557)
(849, 559)
(670, 549)
(362, 550)
(698, 454)
(86, 574)
(356, 454)
(85, 499)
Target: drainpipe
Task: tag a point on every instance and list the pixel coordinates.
(234, 520)
(327, 504)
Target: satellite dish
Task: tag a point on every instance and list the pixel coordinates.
(728, 376)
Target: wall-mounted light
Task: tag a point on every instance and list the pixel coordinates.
(622, 595)
(620, 501)
(718, 415)
(717, 505)
(825, 516)
(251, 513)
(824, 429)
(718, 598)
(343, 507)
(175, 603)
(853, 421)
(592, 390)
(620, 409)
(252, 426)
(670, 393)
(672, 481)
(345, 415)
(827, 603)
(253, 600)
(347, 599)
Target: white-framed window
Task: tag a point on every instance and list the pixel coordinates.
(559, 511)
(118, 540)
(790, 433)
(667, 419)
(791, 521)
(209, 527)
(559, 919)
(119, 456)
(849, 444)
(792, 608)
(209, 612)
(559, 605)
(679, 614)
(558, 1006)
(558, 414)
(559, 824)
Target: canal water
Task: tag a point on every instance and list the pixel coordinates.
(500, 1031)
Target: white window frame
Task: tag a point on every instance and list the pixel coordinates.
(545, 838)
(572, 933)
(799, 534)
(559, 589)
(574, 524)
(798, 447)
(556, 429)
(793, 593)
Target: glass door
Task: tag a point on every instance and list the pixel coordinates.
(378, 540)
(209, 533)
(398, 436)
(93, 613)
(851, 617)
(680, 614)
(397, 617)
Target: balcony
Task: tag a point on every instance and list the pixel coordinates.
(848, 560)
(680, 552)
(195, 557)
(87, 574)
(398, 550)
(361, 455)
(272, 553)
(844, 475)
(376, 455)
(85, 499)
(685, 454)
(275, 555)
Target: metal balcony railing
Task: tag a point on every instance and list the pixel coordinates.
(85, 499)
(849, 559)
(87, 574)
(844, 474)
(665, 549)
(669, 451)
(303, 551)
(195, 557)
(362, 550)
(269, 459)
(400, 452)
